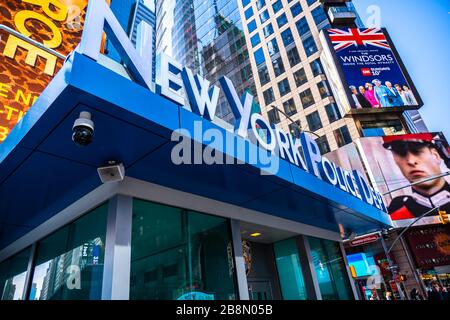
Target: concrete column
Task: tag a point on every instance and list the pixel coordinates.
(116, 273)
(239, 260)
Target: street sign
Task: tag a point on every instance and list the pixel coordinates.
(364, 240)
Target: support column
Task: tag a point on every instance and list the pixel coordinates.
(239, 260)
(309, 272)
(349, 274)
(116, 273)
(30, 273)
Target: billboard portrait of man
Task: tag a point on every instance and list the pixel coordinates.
(395, 162)
(419, 156)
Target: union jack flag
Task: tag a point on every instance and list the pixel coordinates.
(342, 39)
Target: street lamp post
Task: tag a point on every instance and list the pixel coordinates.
(295, 123)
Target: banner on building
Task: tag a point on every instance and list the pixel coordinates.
(35, 36)
(366, 72)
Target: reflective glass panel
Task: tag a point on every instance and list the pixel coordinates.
(69, 263)
(178, 254)
(290, 270)
(12, 276)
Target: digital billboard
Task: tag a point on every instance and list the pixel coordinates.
(35, 37)
(398, 161)
(367, 71)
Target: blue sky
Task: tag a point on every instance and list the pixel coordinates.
(420, 30)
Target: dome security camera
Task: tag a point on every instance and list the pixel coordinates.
(83, 129)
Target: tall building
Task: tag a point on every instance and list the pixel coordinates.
(285, 50)
(209, 38)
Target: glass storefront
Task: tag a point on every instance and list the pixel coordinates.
(69, 262)
(180, 254)
(290, 271)
(12, 276)
(330, 269)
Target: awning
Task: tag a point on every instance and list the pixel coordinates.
(42, 171)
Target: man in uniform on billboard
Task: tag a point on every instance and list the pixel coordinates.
(419, 156)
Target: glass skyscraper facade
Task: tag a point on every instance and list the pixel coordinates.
(208, 37)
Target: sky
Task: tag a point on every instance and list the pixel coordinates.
(420, 30)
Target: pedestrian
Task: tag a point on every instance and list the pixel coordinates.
(435, 293)
(388, 295)
(415, 295)
(445, 294)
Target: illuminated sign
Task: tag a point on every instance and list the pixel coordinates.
(35, 37)
(366, 72)
(180, 85)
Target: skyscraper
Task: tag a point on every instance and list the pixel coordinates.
(285, 50)
(208, 37)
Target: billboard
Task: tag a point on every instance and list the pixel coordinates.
(366, 71)
(401, 160)
(430, 245)
(395, 162)
(35, 37)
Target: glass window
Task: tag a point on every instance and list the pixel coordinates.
(251, 26)
(272, 45)
(300, 77)
(273, 115)
(287, 37)
(330, 270)
(294, 129)
(255, 40)
(332, 112)
(260, 4)
(319, 15)
(13, 272)
(263, 75)
(268, 30)
(277, 6)
(303, 27)
(69, 263)
(324, 147)
(176, 253)
(313, 120)
(316, 68)
(296, 9)
(293, 56)
(282, 20)
(342, 136)
(264, 16)
(324, 89)
(259, 56)
(310, 46)
(278, 66)
(283, 87)
(268, 96)
(310, 2)
(290, 272)
(245, 3)
(307, 98)
(289, 107)
(249, 13)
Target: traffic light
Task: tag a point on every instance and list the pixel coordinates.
(443, 217)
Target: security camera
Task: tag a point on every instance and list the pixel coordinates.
(83, 129)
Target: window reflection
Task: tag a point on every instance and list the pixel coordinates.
(69, 263)
(12, 276)
(178, 254)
